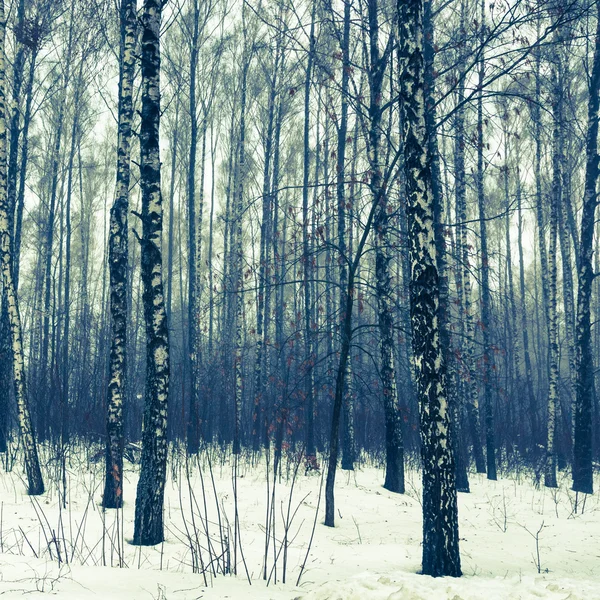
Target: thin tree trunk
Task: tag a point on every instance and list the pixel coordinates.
(523, 308)
(394, 446)
(46, 366)
(553, 355)
(118, 264)
(262, 304)
(32, 466)
(23, 166)
(65, 375)
(309, 370)
(465, 293)
(537, 122)
(348, 434)
(513, 342)
(193, 435)
(211, 295)
(486, 300)
(346, 299)
(582, 450)
(238, 257)
(173, 149)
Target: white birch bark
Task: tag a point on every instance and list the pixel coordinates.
(32, 466)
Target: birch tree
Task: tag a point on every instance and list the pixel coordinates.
(440, 511)
(582, 451)
(149, 528)
(118, 263)
(32, 466)
(394, 470)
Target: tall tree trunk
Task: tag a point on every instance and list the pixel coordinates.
(346, 299)
(440, 243)
(582, 450)
(513, 341)
(118, 264)
(553, 355)
(171, 240)
(149, 528)
(440, 511)
(568, 298)
(565, 220)
(523, 309)
(228, 299)
(394, 446)
(5, 338)
(486, 300)
(309, 370)
(465, 291)
(537, 123)
(65, 374)
(211, 295)
(193, 434)
(45, 360)
(238, 258)
(262, 304)
(32, 466)
(23, 165)
(348, 432)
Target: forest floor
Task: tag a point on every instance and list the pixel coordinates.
(373, 553)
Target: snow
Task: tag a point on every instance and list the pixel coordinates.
(373, 553)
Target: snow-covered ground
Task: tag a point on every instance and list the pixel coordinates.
(373, 553)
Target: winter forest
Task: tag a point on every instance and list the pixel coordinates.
(299, 299)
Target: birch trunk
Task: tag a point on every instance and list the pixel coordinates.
(118, 264)
(537, 122)
(394, 446)
(238, 256)
(345, 288)
(553, 356)
(32, 466)
(173, 150)
(582, 450)
(15, 131)
(193, 438)
(149, 528)
(309, 371)
(444, 314)
(23, 164)
(440, 511)
(263, 299)
(486, 300)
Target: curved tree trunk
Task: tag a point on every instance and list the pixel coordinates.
(32, 466)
